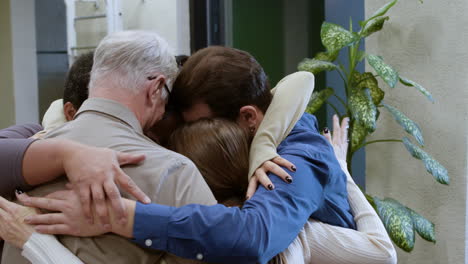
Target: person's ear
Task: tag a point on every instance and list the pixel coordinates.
(69, 111)
(249, 118)
(154, 89)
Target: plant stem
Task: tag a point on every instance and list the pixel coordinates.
(377, 141)
(341, 101)
(342, 75)
(334, 108)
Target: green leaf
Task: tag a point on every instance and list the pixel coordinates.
(432, 166)
(408, 82)
(398, 222)
(423, 226)
(315, 66)
(383, 10)
(373, 26)
(361, 55)
(362, 108)
(327, 56)
(318, 99)
(358, 135)
(388, 74)
(409, 125)
(335, 37)
(367, 80)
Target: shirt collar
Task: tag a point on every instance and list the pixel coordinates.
(111, 108)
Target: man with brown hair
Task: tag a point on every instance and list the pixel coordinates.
(223, 78)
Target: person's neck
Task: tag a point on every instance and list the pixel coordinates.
(122, 96)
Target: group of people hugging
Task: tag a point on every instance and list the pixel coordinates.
(156, 158)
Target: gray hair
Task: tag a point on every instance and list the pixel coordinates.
(128, 58)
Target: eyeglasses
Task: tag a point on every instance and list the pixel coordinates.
(165, 85)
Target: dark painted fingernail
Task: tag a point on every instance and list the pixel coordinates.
(325, 130)
(19, 191)
(270, 186)
(247, 197)
(288, 179)
(293, 168)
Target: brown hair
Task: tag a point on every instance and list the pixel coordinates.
(224, 78)
(220, 150)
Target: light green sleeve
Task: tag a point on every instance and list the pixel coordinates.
(290, 98)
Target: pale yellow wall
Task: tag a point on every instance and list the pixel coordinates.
(7, 105)
(427, 43)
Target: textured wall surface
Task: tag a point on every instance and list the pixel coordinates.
(426, 43)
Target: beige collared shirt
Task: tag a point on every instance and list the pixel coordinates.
(166, 177)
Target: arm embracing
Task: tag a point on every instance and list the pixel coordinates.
(290, 98)
(264, 227)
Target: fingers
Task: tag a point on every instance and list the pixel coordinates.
(285, 163)
(42, 203)
(45, 219)
(263, 179)
(127, 184)
(100, 204)
(113, 194)
(59, 195)
(274, 168)
(5, 205)
(3, 214)
(336, 128)
(85, 199)
(59, 229)
(126, 158)
(253, 184)
(344, 130)
(327, 135)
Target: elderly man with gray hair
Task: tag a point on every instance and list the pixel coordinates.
(128, 92)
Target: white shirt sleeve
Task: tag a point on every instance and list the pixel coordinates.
(46, 249)
(322, 243)
(290, 98)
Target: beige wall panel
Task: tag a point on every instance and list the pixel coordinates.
(7, 101)
(428, 44)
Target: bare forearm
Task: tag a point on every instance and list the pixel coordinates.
(43, 161)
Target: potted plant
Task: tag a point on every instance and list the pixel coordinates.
(363, 104)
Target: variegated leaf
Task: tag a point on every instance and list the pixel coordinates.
(398, 222)
(318, 99)
(424, 227)
(384, 9)
(362, 108)
(367, 80)
(409, 125)
(374, 25)
(335, 37)
(432, 166)
(327, 56)
(358, 135)
(315, 66)
(361, 55)
(388, 74)
(408, 82)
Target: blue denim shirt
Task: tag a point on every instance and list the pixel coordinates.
(268, 222)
